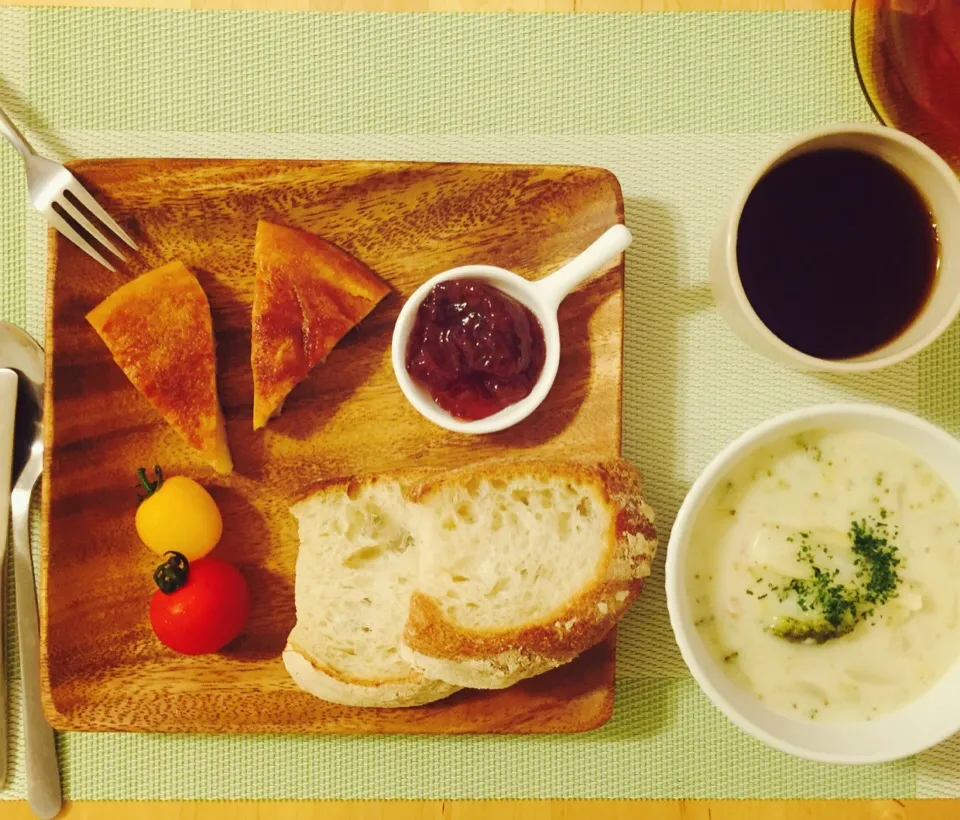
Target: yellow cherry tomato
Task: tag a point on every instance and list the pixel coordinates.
(177, 515)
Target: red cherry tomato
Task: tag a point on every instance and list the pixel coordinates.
(201, 606)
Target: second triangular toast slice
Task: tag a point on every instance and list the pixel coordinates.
(309, 295)
(159, 331)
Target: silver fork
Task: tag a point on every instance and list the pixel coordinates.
(49, 184)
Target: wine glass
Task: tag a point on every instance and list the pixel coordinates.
(907, 55)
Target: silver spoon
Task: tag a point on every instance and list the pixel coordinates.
(20, 352)
(8, 413)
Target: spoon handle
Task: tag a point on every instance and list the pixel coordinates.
(611, 243)
(43, 774)
(8, 410)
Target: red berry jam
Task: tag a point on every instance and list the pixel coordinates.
(475, 349)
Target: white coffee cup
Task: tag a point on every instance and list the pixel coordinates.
(938, 185)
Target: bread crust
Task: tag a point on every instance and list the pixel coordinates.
(409, 481)
(496, 659)
(330, 684)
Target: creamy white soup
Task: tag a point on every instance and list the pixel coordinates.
(824, 575)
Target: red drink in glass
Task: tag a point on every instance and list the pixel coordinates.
(908, 56)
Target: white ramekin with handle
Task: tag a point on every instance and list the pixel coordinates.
(542, 298)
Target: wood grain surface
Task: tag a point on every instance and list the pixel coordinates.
(102, 667)
(512, 810)
(498, 810)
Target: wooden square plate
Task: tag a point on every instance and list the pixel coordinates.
(102, 667)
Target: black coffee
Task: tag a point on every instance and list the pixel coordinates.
(837, 252)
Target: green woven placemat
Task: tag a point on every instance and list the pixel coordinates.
(680, 107)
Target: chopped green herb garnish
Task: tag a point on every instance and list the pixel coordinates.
(876, 555)
(836, 608)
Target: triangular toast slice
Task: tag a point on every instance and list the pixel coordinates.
(309, 295)
(159, 331)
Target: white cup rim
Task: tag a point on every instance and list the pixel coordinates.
(731, 232)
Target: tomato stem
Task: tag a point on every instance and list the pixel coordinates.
(150, 486)
(172, 573)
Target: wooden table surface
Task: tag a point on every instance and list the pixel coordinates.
(507, 810)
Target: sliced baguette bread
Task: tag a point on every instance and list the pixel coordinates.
(481, 577)
(355, 572)
(523, 566)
